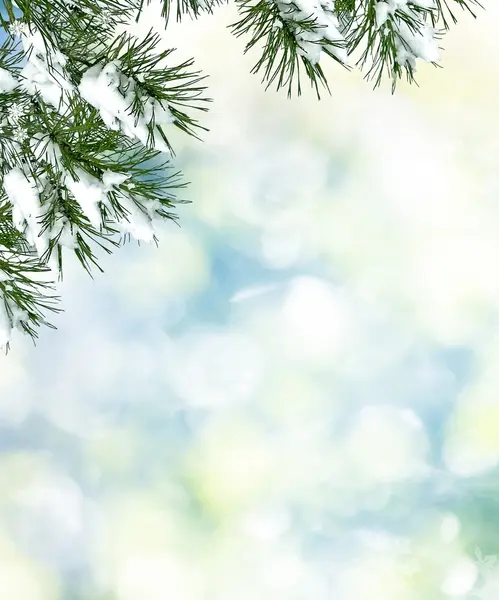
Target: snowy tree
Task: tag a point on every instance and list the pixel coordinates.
(85, 115)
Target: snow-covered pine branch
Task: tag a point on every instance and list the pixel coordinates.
(85, 112)
(83, 117)
(382, 37)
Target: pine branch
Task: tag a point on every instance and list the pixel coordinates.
(291, 39)
(25, 292)
(84, 118)
(391, 36)
(85, 115)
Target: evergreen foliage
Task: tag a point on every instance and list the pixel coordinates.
(85, 115)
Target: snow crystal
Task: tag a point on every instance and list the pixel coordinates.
(19, 135)
(14, 113)
(105, 18)
(17, 28)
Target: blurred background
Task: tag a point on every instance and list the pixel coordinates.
(296, 395)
